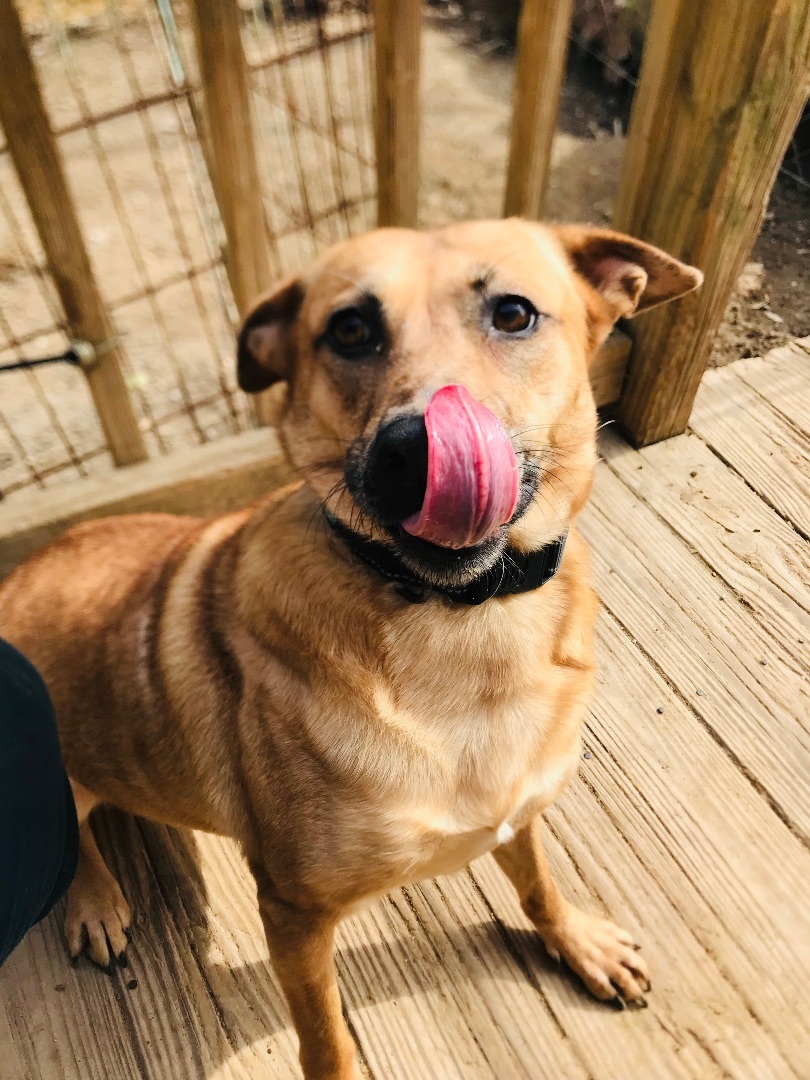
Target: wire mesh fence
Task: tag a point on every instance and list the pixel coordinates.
(121, 87)
(122, 90)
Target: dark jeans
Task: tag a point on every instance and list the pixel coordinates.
(39, 834)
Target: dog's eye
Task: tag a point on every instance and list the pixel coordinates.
(350, 332)
(514, 315)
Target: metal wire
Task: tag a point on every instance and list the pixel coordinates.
(295, 77)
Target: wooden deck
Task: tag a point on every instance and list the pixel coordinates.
(689, 823)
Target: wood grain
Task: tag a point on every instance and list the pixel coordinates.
(200, 480)
(756, 553)
(696, 629)
(232, 147)
(783, 379)
(38, 162)
(721, 90)
(758, 441)
(541, 51)
(660, 782)
(397, 52)
(608, 368)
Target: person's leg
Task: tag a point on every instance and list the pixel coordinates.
(39, 836)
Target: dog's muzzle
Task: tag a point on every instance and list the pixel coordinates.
(449, 477)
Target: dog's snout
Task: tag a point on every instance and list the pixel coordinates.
(396, 470)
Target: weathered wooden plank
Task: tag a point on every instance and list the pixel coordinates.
(782, 377)
(11, 1066)
(542, 47)
(202, 480)
(39, 166)
(645, 835)
(695, 629)
(433, 992)
(757, 441)
(397, 51)
(736, 534)
(205, 882)
(237, 178)
(721, 90)
(609, 368)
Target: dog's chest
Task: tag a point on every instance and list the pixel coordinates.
(477, 822)
(488, 780)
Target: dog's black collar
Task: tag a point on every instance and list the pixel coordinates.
(518, 572)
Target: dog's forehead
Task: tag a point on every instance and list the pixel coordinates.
(406, 269)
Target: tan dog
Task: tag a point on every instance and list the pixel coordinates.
(268, 675)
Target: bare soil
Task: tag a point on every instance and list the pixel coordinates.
(467, 103)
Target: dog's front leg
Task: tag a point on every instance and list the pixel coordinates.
(301, 947)
(602, 954)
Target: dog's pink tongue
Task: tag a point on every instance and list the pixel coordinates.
(472, 473)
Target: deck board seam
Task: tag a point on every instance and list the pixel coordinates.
(715, 571)
(594, 794)
(800, 433)
(355, 1034)
(705, 1046)
(514, 952)
(765, 704)
(741, 767)
(426, 930)
(131, 1030)
(640, 798)
(764, 498)
(172, 912)
(650, 870)
(594, 891)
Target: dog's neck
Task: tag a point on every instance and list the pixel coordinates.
(517, 572)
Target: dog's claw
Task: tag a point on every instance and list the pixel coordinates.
(107, 969)
(618, 1003)
(122, 960)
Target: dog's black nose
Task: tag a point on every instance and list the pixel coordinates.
(396, 469)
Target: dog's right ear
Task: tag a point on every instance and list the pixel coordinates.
(266, 349)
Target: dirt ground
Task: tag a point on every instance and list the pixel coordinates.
(179, 342)
(467, 98)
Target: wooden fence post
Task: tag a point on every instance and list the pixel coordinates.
(722, 88)
(39, 166)
(397, 46)
(542, 47)
(237, 180)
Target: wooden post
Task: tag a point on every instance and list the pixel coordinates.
(397, 46)
(237, 184)
(39, 166)
(722, 87)
(542, 47)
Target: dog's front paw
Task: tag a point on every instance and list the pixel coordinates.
(97, 917)
(603, 955)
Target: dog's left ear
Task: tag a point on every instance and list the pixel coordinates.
(266, 348)
(631, 276)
